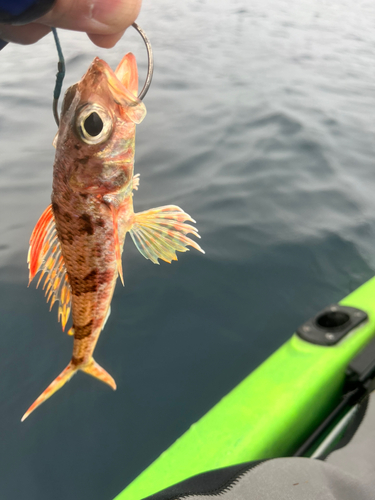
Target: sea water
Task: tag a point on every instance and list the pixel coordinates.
(261, 126)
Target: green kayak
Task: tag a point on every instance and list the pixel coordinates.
(277, 407)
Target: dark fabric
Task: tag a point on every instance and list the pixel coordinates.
(209, 483)
(15, 7)
(348, 473)
(23, 11)
(351, 429)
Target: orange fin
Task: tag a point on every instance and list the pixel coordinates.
(59, 381)
(92, 368)
(160, 232)
(107, 316)
(117, 242)
(136, 182)
(45, 255)
(95, 370)
(127, 73)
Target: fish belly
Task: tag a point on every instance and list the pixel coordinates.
(85, 231)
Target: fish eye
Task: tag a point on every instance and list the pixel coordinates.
(94, 124)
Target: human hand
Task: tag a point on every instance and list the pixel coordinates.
(104, 21)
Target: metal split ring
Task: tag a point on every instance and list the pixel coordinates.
(150, 59)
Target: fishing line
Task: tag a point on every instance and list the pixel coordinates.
(61, 70)
(59, 77)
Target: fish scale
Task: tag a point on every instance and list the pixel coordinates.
(78, 241)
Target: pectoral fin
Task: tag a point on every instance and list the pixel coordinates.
(160, 232)
(136, 182)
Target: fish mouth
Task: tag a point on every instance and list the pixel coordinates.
(96, 71)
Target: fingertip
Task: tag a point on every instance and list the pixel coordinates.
(105, 41)
(116, 13)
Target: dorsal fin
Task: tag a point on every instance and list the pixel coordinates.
(45, 255)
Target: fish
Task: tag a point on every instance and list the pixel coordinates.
(78, 242)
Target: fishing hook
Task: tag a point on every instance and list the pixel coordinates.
(61, 70)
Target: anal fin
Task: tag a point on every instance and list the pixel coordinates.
(117, 242)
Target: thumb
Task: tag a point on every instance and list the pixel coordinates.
(103, 20)
(102, 17)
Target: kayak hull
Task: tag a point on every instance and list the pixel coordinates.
(270, 413)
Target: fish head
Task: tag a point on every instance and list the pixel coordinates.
(96, 137)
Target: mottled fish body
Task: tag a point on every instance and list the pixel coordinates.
(78, 241)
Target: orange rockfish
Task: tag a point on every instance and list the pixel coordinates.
(78, 241)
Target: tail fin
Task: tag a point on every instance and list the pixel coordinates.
(92, 368)
(97, 371)
(59, 381)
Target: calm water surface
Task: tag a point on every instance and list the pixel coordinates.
(260, 125)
